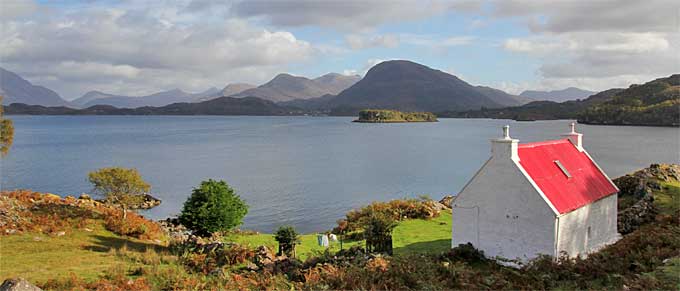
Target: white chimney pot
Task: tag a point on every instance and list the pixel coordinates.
(505, 147)
(575, 137)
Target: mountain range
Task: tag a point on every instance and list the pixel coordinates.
(157, 99)
(398, 84)
(563, 95)
(16, 89)
(286, 87)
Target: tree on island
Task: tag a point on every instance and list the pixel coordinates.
(120, 186)
(287, 238)
(212, 207)
(6, 132)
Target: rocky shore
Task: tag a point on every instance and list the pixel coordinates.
(639, 187)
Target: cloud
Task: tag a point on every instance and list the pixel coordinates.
(356, 41)
(563, 16)
(435, 40)
(98, 46)
(596, 43)
(347, 15)
(16, 8)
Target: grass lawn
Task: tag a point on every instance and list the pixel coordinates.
(38, 257)
(416, 235)
(668, 199)
(87, 254)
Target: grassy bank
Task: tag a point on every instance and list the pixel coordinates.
(410, 236)
(91, 251)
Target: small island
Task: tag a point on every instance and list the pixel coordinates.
(393, 116)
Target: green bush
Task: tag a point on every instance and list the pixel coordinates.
(378, 232)
(212, 207)
(287, 238)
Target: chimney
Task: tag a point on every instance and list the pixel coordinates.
(505, 147)
(575, 137)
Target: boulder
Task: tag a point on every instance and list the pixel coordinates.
(18, 284)
(85, 197)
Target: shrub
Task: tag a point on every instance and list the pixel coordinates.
(212, 207)
(466, 253)
(133, 225)
(287, 238)
(396, 209)
(378, 232)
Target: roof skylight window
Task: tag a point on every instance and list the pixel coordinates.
(564, 170)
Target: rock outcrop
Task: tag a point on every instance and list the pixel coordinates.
(18, 284)
(147, 202)
(640, 186)
(447, 200)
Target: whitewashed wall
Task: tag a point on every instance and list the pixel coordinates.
(501, 213)
(600, 217)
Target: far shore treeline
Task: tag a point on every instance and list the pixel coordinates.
(386, 116)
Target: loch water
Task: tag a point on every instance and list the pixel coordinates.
(303, 171)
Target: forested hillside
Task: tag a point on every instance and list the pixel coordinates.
(653, 103)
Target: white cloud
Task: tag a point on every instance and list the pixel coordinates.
(634, 43)
(11, 9)
(350, 72)
(596, 44)
(90, 48)
(435, 41)
(347, 15)
(562, 16)
(357, 41)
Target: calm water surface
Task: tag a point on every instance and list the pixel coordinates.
(304, 171)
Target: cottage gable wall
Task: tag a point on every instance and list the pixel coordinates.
(515, 222)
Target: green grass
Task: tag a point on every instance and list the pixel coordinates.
(668, 199)
(416, 235)
(38, 257)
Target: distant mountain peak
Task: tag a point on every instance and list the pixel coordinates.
(16, 89)
(287, 87)
(406, 85)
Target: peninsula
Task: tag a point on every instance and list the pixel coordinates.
(393, 116)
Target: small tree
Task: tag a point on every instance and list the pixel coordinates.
(378, 232)
(213, 206)
(6, 132)
(287, 238)
(120, 186)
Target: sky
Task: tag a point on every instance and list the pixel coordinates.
(142, 47)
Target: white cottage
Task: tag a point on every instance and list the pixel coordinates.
(537, 198)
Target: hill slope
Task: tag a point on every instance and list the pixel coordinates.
(286, 87)
(217, 106)
(236, 88)
(335, 83)
(654, 103)
(16, 89)
(408, 86)
(563, 95)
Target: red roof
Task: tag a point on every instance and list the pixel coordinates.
(586, 184)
